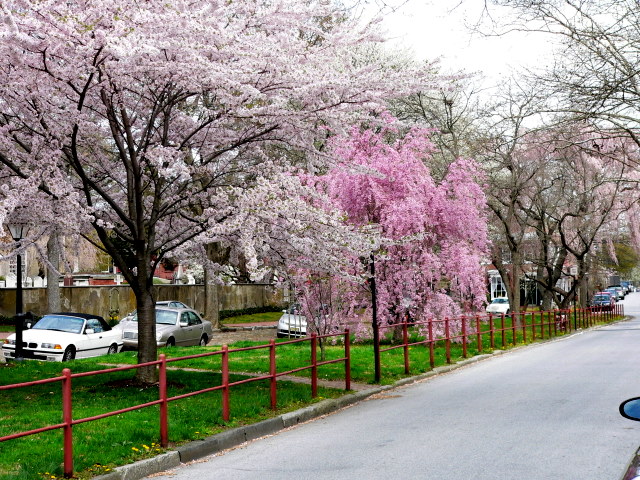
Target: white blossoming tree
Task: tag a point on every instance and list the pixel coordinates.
(163, 126)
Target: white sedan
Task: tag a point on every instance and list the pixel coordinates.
(292, 323)
(499, 305)
(60, 337)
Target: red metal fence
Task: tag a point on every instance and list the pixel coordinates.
(67, 398)
(464, 331)
(525, 326)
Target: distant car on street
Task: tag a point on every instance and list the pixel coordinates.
(60, 337)
(617, 291)
(174, 327)
(499, 305)
(602, 302)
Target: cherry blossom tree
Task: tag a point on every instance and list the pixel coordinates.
(582, 191)
(166, 126)
(432, 235)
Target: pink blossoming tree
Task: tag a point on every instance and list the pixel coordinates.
(431, 236)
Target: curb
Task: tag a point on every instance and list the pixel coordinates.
(232, 438)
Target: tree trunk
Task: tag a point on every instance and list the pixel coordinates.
(53, 276)
(211, 300)
(510, 274)
(146, 306)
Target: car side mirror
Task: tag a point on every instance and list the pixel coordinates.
(89, 331)
(631, 409)
(184, 323)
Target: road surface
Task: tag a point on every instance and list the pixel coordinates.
(547, 411)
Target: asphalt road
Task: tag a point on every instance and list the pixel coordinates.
(548, 411)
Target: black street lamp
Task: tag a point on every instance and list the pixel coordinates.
(18, 232)
(374, 322)
(375, 230)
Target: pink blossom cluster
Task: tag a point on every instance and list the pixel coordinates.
(427, 238)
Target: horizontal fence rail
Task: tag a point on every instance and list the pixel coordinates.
(478, 331)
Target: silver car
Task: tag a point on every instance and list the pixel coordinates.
(174, 327)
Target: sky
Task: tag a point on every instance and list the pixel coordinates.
(433, 28)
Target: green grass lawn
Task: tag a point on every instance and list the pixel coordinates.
(101, 445)
(257, 317)
(126, 437)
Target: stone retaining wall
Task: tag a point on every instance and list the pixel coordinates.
(119, 299)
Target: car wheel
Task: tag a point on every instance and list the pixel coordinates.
(69, 354)
(203, 341)
(112, 349)
(507, 312)
(171, 342)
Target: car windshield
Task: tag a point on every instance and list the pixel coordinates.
(294, 309)
(500, 300)
(601, 298)
(163, 317)
(166, 317)
(60, 323)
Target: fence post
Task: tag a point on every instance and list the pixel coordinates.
(347, 361)
(67, 419)
(513, 327)
(432, 360)
(314, 366)
(502, 331)
(272, 372)
(405, 339)
(447, 339)
(523, 319)
(533, 326)
(464, 337)
(162, 388)
(225, 383)
(492, 333)
(478, 333)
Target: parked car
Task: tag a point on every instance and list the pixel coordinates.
(174, 327)
(161, 303)
(499, 305)
(618, 293)
(60, 337)
(602, 301)
(292, 323)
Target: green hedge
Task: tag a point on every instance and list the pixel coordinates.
(249, 311)
(4, 320)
